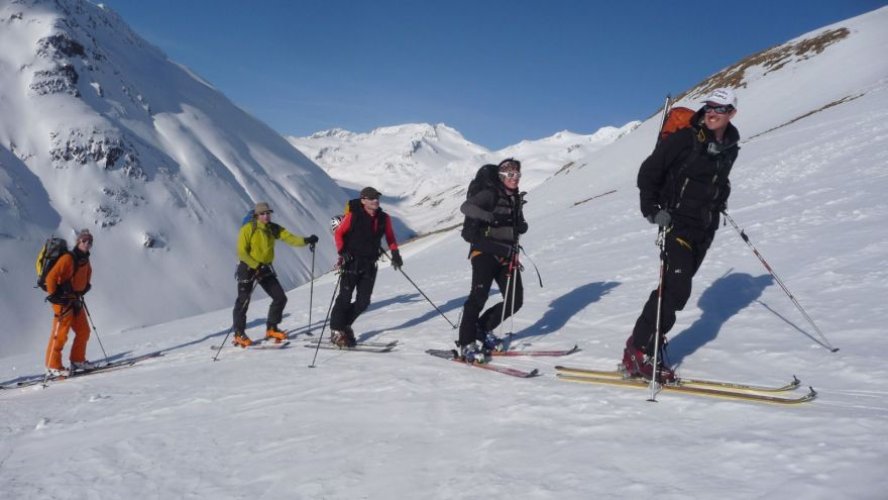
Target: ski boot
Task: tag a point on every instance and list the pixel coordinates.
(350, 335)
(81, 366)
(342, 339)
(241, 340)
(636, 364)
(57, 372)
(491, 343)
(272, 333)
(473, 353)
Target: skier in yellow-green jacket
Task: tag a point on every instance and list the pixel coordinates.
(255, 249)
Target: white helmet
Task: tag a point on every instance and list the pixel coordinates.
(335, 221)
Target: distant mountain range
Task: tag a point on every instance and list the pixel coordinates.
(423, 170)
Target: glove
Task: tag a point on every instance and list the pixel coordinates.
(311, 240)
(397, 261)
(661, 218)
(87, 289)
(500, 220)
(345, 257)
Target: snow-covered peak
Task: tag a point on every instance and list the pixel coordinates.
(99, 130)
(423, 169)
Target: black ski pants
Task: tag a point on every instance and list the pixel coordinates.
(358, 276)
(246, 281)
(684, 255)
(487, 268)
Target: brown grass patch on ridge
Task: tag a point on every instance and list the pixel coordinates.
(771, 59)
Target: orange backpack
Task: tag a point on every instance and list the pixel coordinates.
(677, 119)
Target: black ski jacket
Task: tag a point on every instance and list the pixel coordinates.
(687, 174)
(502, 217)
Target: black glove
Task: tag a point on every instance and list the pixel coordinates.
(661, 218)
(345, 257)
(397, 261)
(500, 220)
(311, 240)
(521, 227)
(87, 289)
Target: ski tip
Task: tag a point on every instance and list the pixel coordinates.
(834, 349)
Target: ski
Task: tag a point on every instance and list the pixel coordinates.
(640, 383)
(259, 345)
(110, 366)
(505, 370)
(360, 346)
(687, 382)
(531, 352)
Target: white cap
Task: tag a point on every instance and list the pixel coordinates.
(723, 97)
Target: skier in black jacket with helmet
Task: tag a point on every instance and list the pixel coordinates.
(683, 186)
(498, 210)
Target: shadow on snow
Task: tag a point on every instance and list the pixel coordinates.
(726, 297)
(563, 308)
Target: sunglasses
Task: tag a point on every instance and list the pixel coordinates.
(511, 175)
(264, 213)
(723, 109)
(88, 241)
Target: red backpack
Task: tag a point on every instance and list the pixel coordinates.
(677, 119)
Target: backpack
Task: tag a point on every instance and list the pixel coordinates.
(485, 178)
(248, 217)
(48, 256)
(676, 119)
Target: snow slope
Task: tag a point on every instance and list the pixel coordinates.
(261, 424)
(99, 130)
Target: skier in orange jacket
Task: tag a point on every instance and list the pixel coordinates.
(66, 283)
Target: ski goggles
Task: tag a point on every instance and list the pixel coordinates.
(88, 240)
(718, 109)
(511, 175)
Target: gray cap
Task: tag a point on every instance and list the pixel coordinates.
(262, 207)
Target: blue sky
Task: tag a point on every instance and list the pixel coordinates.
(497, 71)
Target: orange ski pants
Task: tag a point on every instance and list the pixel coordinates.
(66, 318)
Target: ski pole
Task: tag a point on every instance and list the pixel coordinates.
(506, 294)
(509, 294)
(88, 315)
(311, 287)
(535, 268)
(826, 343)
(667, 106)
(516, 268)
(421, 292)
(655, 386)
(55, 331)
(246, 304)
(324, 326)
(661, 243)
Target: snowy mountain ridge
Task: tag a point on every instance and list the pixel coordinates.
(423, 169)
(99, 130)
